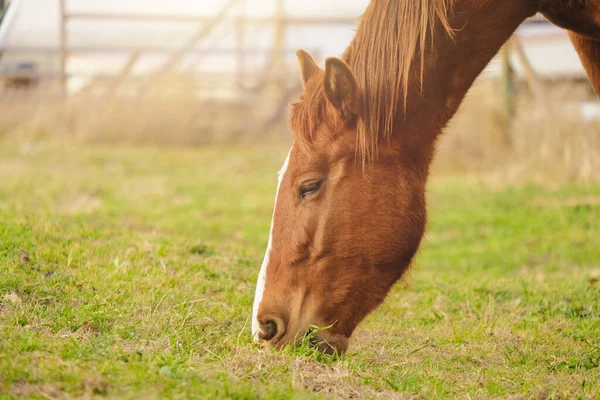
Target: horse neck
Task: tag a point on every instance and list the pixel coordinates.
(450, 67)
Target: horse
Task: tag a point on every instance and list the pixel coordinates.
(350, 207)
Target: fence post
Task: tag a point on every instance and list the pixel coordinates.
(278, 42)
(240, 32)
(507, 80)
(535, 83)
(62, 35)
(507, 93)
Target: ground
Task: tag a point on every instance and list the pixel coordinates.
(130, 273)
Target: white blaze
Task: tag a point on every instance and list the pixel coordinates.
(262, 275)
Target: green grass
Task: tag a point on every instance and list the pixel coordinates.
(130, 273)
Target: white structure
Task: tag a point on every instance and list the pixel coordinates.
(30, 37)
(549, 50)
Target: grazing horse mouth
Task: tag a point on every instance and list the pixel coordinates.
(324, 346)
(313, 337)
(317, 338)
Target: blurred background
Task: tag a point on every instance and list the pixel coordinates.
(194, 73)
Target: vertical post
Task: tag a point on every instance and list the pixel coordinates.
(533, 80)
(62, 40)
(507, 80)
(507, 92)
(240, 30)
(278, 41)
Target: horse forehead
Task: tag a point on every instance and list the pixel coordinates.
(325, 149)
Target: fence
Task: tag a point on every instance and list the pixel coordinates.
(270, 84)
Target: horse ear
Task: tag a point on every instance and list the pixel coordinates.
(341, 88)
(307, 66)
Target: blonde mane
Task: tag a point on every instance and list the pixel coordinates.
(391, 36)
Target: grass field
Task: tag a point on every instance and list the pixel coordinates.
(130, 273)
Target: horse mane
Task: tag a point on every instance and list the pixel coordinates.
(391, 36)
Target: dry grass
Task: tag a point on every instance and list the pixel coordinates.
(545, 141)
(165, 113)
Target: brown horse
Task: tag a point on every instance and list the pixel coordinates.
(350, 208)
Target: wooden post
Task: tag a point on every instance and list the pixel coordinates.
(507, 94)
(279, 42)
(507, 80)
(533, 80)
(240, 42)
(62, 37)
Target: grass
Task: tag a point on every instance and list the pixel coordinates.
(129, 273)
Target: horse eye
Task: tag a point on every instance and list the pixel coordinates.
(308, 188)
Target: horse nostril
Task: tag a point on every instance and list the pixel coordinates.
(269, 329)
